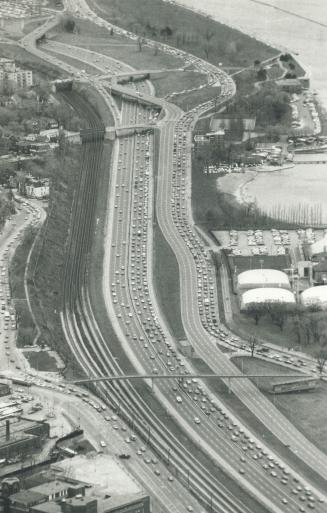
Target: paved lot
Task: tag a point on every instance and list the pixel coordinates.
(243, 248)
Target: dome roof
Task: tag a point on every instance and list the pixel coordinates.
(315, 296)
(256, 278)
(266, 295)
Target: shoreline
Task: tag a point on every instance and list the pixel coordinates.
(241, 180)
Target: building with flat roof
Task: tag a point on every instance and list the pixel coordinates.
(134, 503)
(59, 488)
(23, 501)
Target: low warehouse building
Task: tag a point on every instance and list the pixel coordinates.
(315, 296)
(262, 278)
(266, 296)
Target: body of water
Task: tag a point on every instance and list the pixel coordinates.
(299, 26)
(303, 185)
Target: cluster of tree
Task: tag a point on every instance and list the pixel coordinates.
(285, 57)
(68, 23)
(308, 324)
(262, 74)
(290, 75)
(269, 105)
(278, 312)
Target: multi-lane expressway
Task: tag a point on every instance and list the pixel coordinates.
(132, 305)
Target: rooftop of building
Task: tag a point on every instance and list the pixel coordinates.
(48, 507)
(116, 501)
(55, 486)
(27, 497)
(267, 295)
(262, 276)
(314, 294)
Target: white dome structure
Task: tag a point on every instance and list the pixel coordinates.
(320, 246)
(315, 296)
(266, 295)
(257, 278)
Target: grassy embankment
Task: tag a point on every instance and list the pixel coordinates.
(306, 410)
(165, 269)
(47, 263)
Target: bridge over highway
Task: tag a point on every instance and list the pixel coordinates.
(185, 376)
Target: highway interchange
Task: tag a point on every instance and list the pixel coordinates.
(135, 314)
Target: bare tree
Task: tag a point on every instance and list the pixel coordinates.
(140, 43)
(256, 311)
(253, 342)
(321, 357)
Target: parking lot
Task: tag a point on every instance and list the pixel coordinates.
(18, 8)
(266, 242)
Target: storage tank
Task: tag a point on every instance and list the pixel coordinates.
(266, 296)
(315, 296)
(257, 278)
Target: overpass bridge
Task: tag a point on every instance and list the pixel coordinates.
(182, 377)
(143, 74)
(120, 131)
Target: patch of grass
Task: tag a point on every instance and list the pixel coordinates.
(91, 70)
(306, 410)
(126, 50)
(26, 327)
(174, 81)
(165, 270)
(255, 365)
(184, 29)
(31, 25)
(166, 282)
(192, 99)
(205, 207)
(274, 72)
(41, 361)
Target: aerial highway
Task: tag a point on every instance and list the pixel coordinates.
(134, 312)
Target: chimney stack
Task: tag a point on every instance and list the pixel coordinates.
(7, 430)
